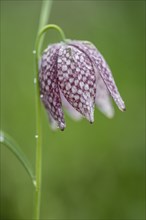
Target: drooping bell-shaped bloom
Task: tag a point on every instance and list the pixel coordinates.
(74, 75)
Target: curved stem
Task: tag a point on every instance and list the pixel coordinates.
(45, 29)
(38, 116)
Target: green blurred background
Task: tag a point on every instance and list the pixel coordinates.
(89, 171)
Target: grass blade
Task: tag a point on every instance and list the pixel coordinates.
(16, 150)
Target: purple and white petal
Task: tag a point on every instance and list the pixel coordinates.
(49, 88)
(104, 70)
(53, 123)
(108, 79)
(102, 99)
(85, 46)
(70, 110)
(77, 80)
(76, 75)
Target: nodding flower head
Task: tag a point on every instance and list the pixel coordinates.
(75, 75)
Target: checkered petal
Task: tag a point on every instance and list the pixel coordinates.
(103, 69)
(49, 88)
(69, 109)
(102, 100)
(74, 74)
(77, 80)
(53, 123)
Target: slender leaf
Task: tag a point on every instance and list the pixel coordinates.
(16, 150)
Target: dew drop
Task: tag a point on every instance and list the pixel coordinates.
(36, 136)
(35, 80)
(34, 51)
(34, 183)
(1, 138)
(41, 96)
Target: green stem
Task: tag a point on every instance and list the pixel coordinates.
(37, 50)
(38, 147)
(44, 16)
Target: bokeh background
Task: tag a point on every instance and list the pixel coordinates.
(89, 171)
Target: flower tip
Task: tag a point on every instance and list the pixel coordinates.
(124, 109)
(90, 116)
(121, 105)
(110, 116)
(110, 113)
(62, 126)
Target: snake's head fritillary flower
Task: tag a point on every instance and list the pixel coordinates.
(75, 75)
